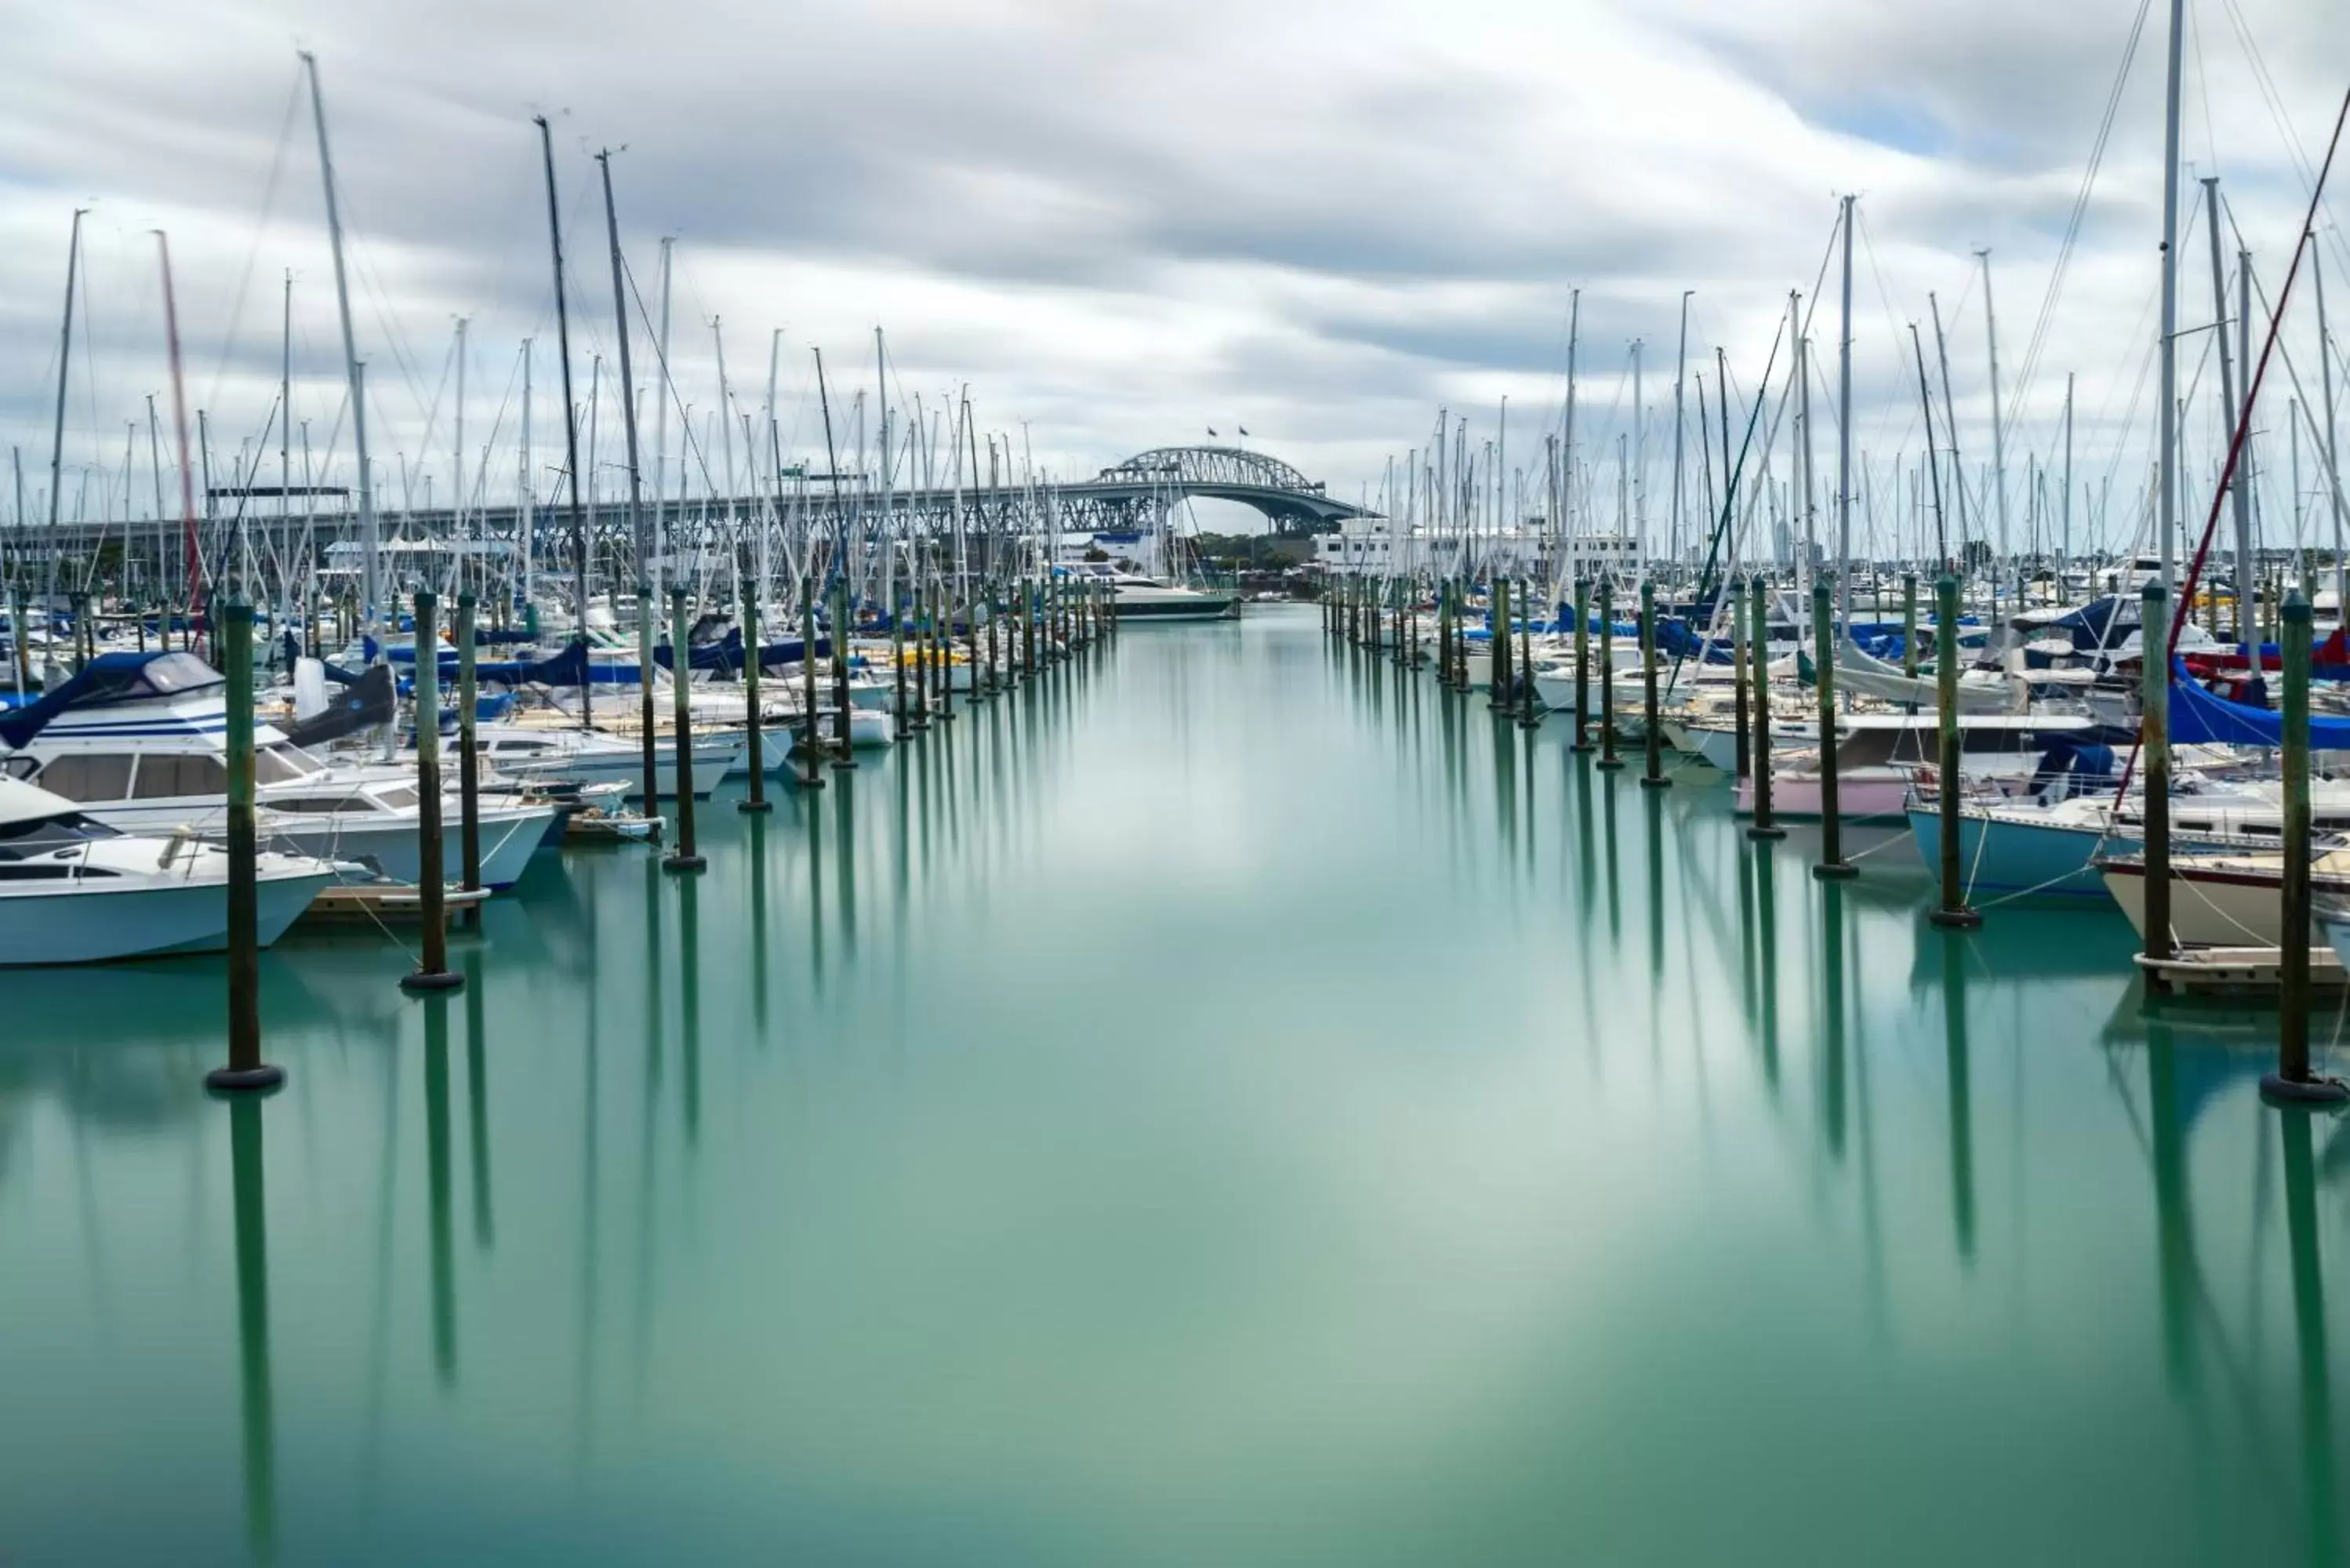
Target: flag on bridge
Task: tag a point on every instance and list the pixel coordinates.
(1243, 428)
(1212, 429)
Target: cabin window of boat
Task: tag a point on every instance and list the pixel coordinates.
(400, 798)
(162, 777)
(48, 832)
(276, 764)
(19, 768)
(102, 776)
(319, 804)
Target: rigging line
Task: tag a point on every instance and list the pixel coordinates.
(2064, 251)
(2243, 422)
(260, 231)
(2275, 102)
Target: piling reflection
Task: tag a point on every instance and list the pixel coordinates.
(2175, 1263)
(689, 985)
(256, 1398)
(2315, 1384)
(1766, 920)
(1832, 1010)
(439, 1188)
(477, 1095)
(754, 853)
(1960, 1090)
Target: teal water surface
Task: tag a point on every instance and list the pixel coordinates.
(1229, 1104)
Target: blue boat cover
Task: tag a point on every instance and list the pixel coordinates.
(2198, 717)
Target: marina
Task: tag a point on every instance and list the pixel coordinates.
(1017, 1151)
(1731, 950)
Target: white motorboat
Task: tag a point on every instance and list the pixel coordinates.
(74, 890)
(574, 756)
(139, 742)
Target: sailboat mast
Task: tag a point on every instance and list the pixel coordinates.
(570, 424)
(661, 428)
(2167, 391)
(1843, 434)
(57, 442)
(370, 586)
(1998, 425)
(1681, 419)
(2333, 470)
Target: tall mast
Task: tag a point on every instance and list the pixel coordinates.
(638, 533)
(2065, 549)
(888, 547)
(527, 513)
(570, 421)
(370, 586)
(1998, 425)
(457, 474)
(660, 425)
(1843, 434)
(1639, 456)
(57, 446)
(1566, 440)
(2333, 470)
(1680, 415)
(285, 417)
(2236, 492)
(2166, 395)
(1949, 421)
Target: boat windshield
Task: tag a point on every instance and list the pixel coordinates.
(39, 834)
(277, 764)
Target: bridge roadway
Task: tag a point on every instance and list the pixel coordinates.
(1129, 495)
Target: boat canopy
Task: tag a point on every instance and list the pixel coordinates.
(2198, 717)
(107, 681)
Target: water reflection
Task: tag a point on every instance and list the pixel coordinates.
(2315, 1385)
(256, 1399)
(1035, 1258)
(1831, 928)
(477, 1095)
(1960, 1089)
(438, 1187)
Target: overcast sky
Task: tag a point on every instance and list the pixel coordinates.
(1121, 226)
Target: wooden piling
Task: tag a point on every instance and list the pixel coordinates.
(843, 756)
(1954, 912)
(752, 702)
(902, 725)
(1655, 776)
(247, 1072)
(1582, 664)
(469, 763)
(2292, 1080)
(1833, 867)
(1608, 757)
(432, 971)
(2154, 766)
(1909, 625)
(685, 858)
(1758, 751)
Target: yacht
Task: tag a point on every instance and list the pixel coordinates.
(139, 742)
(74, 890)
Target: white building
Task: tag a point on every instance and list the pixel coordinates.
(1377, 546)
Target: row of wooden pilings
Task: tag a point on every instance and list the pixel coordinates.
(1384, 615)
(1006, 637)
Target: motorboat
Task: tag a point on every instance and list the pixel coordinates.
(75, 890)
(139, 742)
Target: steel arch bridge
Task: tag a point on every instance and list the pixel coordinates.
(1290, 502)
(1127, 496)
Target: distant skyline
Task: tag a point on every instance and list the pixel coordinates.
(1122, 226)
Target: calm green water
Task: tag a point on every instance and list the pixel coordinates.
(1234, 1108)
